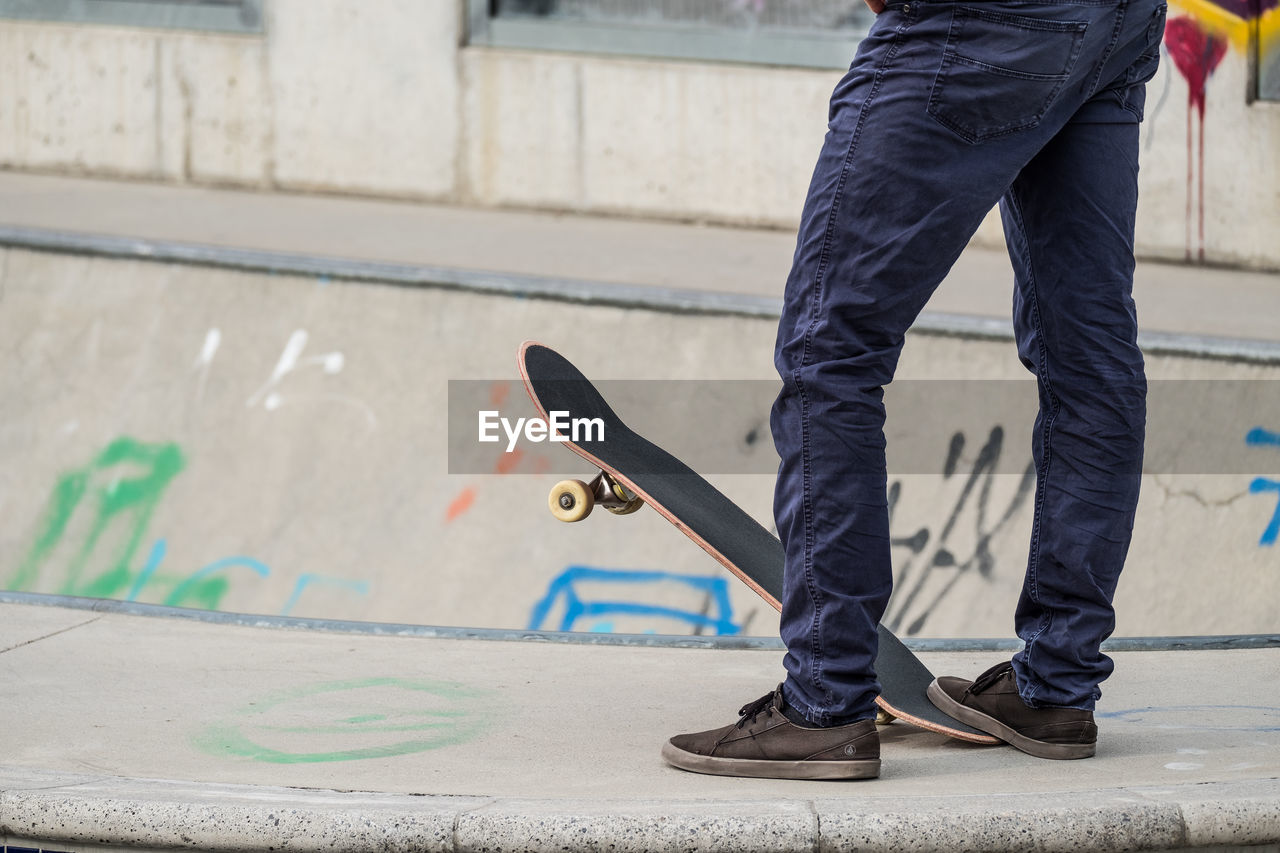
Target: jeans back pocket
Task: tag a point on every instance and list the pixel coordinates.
(1000, 71)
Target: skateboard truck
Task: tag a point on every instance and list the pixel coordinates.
(573, 500)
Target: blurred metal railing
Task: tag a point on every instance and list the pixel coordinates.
(801, 33)
(822, 15)
(235, 16)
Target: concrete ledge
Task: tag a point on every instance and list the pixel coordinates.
(1099, 820)
(650, 297)
(1208, 642)
(72, 810)
(57, 809)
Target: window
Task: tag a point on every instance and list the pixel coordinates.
(1266, 43)
(236, 16)
(805, 33)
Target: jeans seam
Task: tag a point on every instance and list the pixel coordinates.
(828, 235)
(806, 457)
(1106, 54)
(815, 631)
(1046, 429)
(1046, 436)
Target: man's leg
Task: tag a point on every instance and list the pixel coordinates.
(1069, 224)
(923, 139)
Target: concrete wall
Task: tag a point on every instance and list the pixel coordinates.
(277, 444)
(337, 96)
(345, 96)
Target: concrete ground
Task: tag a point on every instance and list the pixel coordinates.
(528, 745)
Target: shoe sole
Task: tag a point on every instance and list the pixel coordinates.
(866, 768)
(992, 726)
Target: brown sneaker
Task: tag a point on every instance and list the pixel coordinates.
(991, 703)
(765, 743)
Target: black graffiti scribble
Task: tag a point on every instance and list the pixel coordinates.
(907, 606)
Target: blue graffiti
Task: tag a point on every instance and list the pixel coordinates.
(161, 547)
(213, 568)
(1259, 437)
(565, 588)
(158, 551)
(153, 563)
(358, 587)
(1257, 487)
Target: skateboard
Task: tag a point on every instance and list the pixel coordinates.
(634, 471)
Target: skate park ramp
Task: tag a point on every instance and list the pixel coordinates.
(252, 584)
(270, 434)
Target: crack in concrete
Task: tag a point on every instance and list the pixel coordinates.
(457, 820)
(1194, 494)
(53, 634)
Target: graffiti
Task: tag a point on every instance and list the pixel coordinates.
(1259, 437)
(580, 609)
(269, 396)
(96, 520)
(1202, 36)
(1244, 24)
(212, 340)
(505, 463)
(350, 720)
(195, 581)
(309, 580)
(938, 558)
(1196, 43)
(1195, 53)
(1262, 485)
(460, 504)
(291, 360)
(933, 556)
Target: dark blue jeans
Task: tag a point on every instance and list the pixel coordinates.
(949, 108)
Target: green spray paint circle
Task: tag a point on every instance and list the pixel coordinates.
(350, 721)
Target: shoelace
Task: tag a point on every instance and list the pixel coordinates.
(747, 713)
(990, 677)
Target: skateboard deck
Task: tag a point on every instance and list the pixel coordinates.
(645, 472)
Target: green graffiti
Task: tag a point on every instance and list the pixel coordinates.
(319, 723)
(96, 520)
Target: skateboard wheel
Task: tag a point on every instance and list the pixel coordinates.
(883, 717)
(571, 500)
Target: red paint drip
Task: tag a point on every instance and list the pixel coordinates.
(1196, 53)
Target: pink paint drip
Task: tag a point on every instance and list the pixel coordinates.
(1195, 53)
